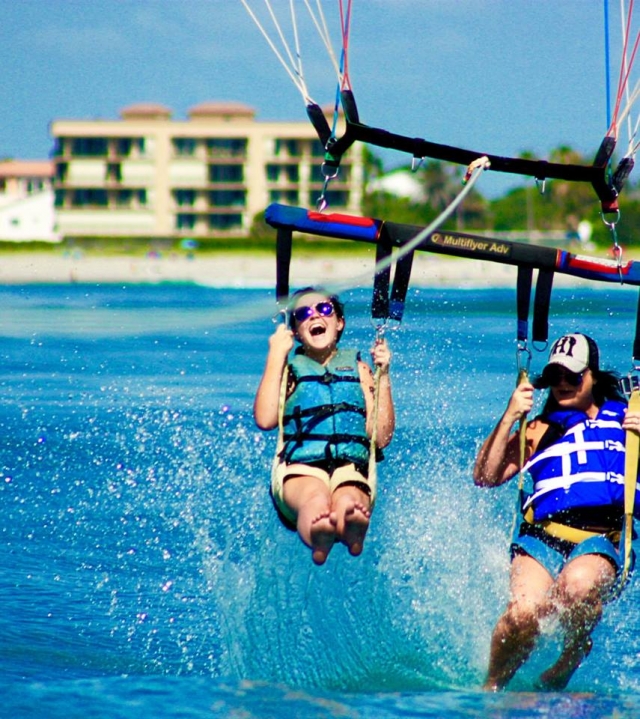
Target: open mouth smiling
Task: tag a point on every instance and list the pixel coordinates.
(317, 330)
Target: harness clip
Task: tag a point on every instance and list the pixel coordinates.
(281, 314)
(523, 358)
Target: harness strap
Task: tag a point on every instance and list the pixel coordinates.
(384, 305)
(567, 533)
(284, 240)
(523, 299)
(541, 305)
(373, 467)
(281, 402)
(636, 339)
(632, 451)
(382, 279)
(401, 279)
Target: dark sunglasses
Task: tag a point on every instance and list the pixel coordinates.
(554, 375)
(324, 309)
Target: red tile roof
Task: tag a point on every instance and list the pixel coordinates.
(26, 168)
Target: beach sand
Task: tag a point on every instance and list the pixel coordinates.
(245, 271)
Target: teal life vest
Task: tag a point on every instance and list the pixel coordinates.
(325, 415)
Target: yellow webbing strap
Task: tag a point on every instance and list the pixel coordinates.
(632, 446)
(523, 376)
(277, 463)
(373, 465)
(567, 533)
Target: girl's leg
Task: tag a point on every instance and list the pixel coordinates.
(310, 498)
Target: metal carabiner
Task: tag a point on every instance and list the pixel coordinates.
(322, 203)
(283, 313)
(523, 357)
(616, 249)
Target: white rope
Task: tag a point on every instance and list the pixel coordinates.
(291, 60)
(296, 39)
(323, 32)
(626, 113)
(295, 74)
(479, 165)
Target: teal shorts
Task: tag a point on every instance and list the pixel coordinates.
(553, 554)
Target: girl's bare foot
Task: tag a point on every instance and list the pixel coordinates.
(323, 537)
(356, 523)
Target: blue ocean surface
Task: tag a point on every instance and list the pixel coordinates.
(144, 572)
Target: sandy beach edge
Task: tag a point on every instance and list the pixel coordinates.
(243, 271)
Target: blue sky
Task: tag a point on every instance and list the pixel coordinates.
(498, 76)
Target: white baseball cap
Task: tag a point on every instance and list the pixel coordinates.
(576, 352)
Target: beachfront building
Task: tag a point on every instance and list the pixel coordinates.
(149, 175)
(26, 201)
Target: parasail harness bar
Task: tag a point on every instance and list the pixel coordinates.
(388, 235)
(606, 187)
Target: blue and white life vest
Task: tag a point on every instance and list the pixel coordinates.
(325, 415)
(584, 468)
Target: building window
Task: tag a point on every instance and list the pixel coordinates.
(114, 172)
(225, 173)
(141, 196)
(124, 198)
(184, 146)
(123, 146)
(317, 149)
(185, 221)
(226, 147)
(227, 198)
(225, 222)
(283, 173)
(128, 146)
(287, 148)
(289, 197)
(61, 171)
(91, 197)
(89, 146)
(59, 196)
(185, 198)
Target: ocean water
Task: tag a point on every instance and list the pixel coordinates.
(143, 571)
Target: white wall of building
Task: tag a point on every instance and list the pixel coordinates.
(28, 218)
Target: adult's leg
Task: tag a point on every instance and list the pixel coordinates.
(579, 596)
(515, 633)
(310, 499)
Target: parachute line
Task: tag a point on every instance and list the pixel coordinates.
(296, 77)
(482, 164)
(291, 59)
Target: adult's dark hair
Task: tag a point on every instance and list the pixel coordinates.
(605, 386)
(338, 306)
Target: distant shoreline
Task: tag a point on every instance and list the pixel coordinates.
(242, 270)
